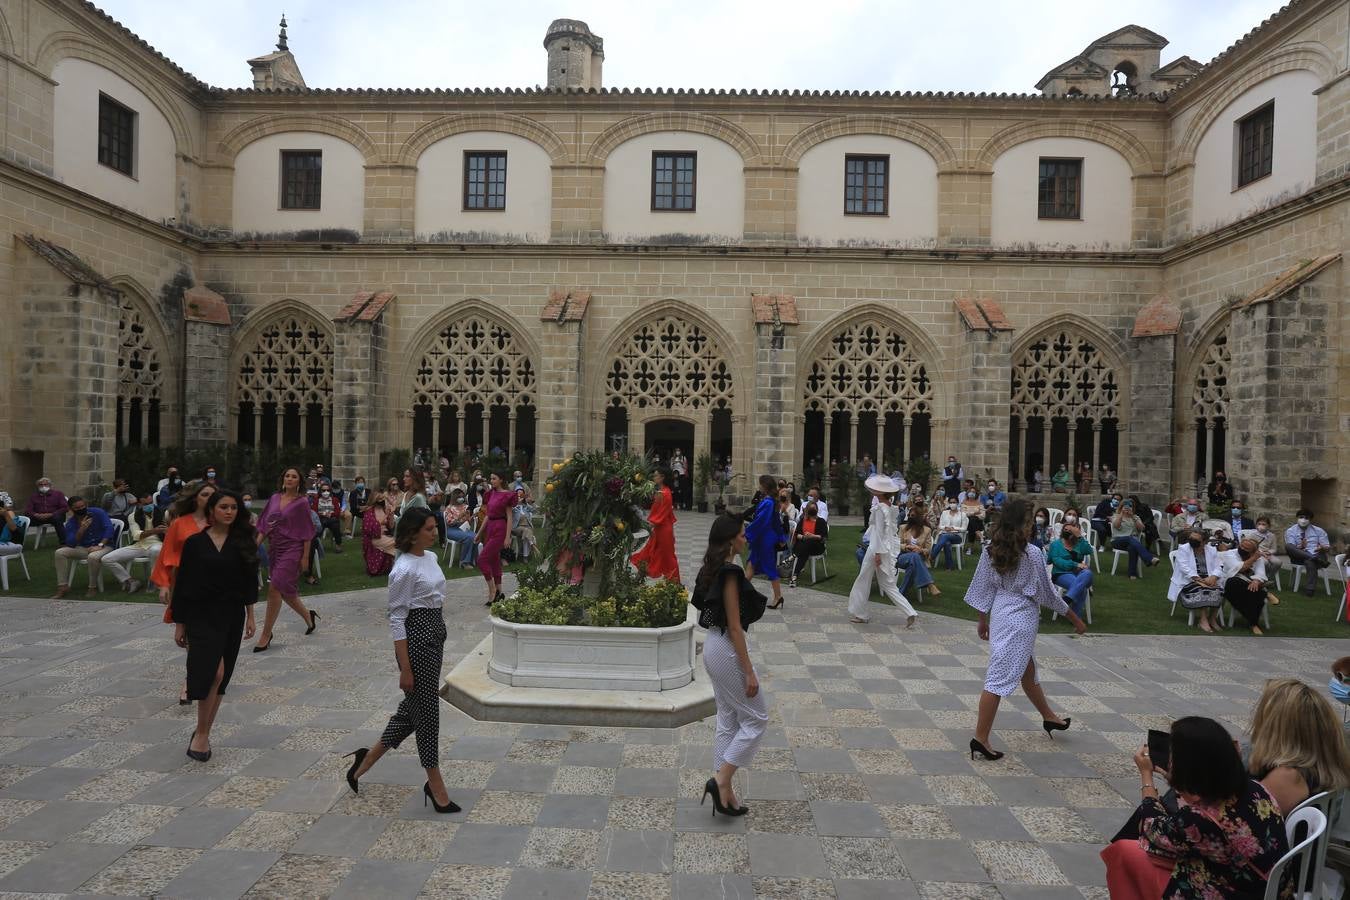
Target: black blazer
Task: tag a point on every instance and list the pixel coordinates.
(212, 586)
(822, 529)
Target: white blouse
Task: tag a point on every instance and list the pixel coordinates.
(415, 582)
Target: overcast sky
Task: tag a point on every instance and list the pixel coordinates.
(976, 45)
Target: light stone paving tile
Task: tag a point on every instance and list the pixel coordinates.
(832, 786)
(15, 853)
(629, 886)
(914, 821)
(1089, 793)
(560, 848)
(780, 817)
(921, 739)
(704, 853)
(1017, 862)
(313, 739)
(374, 799)
(129, 824)
(960, 790)
(407, 840)
(1056, 824)
(856, 718)
(12, 811)
(858, 857)
(319, 875)
(1109, 765)
(506, 808)
(223, 761)
(814, 738)
(119, 785)
(793, 889)
(466, 883)
(948, 890)
(583, 780)
(881, 762)
(268, 831)
(142, 871)
(244, 792)
(772, 760)
(468, 773)
(643, 813)
(651, 756)
(538, 752)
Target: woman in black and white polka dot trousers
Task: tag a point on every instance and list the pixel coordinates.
(416, 595)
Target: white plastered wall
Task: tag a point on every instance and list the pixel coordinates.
(719, 199)
(1107, 198)
(1216, 199)
(440, 189)
(149, 190)
(257, 185)
(913, 193)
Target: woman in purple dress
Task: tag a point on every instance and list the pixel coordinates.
(286, 526)
(497, 503)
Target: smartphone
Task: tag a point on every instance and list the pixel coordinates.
(1160, 749)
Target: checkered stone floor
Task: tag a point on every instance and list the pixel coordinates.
(863, 787)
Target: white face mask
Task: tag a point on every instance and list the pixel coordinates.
(1303, 521)
(1070, 517)
(1040, 520)
(44, 490)
(992, 488)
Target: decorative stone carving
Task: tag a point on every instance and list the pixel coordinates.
(869, 368)
(1209, 394)
(670, 364)
(289, 364)
(140, 372)
(1064, 376)
(475, 361)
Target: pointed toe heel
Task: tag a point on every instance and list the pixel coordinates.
(977, 747)
(449, 807)
(1052, 727)
(360, 756)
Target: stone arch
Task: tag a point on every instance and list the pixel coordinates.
(1127, 145)
(1067, 370)
(282, 368)
(636, 126)
(69, 45)
(448, 126)
(1203, 396)
(870, 361)
(146, 371)
(1309, 55)
(6, 36)
(472, 355)
(840, 126)
(264, 126)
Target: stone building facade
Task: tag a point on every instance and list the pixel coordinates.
(1140, 265)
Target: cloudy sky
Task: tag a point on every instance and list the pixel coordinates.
(977, 45)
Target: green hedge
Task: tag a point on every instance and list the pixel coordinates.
(253, 469)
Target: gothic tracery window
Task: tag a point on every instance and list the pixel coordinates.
(1209, 407)
(140, 378)
(284, 386)
(670, 364)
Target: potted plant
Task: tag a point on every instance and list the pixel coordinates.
(723, 485)
(703, 476)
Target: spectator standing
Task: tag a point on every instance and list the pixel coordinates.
(1061, 481)
(1037, 481)
(87, 535)
(47, 506)
(679, 470)
(119, 502)
(147, 529)
(286, 526)
(169, 489)
(321, 475)
(1083, 477)
(1220, 490)
(1127, 533)
(953, 476)
(1306, 545)
(1107, 479)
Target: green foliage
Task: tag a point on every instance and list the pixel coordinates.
(1218, 511)
(392, 462)
(703, 475)
(660, 604)
(921, 472)
(245, 468)
(842, 477)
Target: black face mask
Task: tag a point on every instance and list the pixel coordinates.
(80, 513)
(1196, 542)
(1246, 554)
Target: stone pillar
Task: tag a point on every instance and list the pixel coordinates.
(360, 386)
(983, 388)
(390, 197)
(207, 339)
(558, 426)
(1147, 444)
(64, 383)
(773, 392)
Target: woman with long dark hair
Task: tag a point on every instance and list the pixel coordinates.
(417, 625)
(286, 525)
(497, 503)
(377, 536)
(213, 597)
(188, 516)
(658, 554)
(763, 535)
(728, 605)
(1009, 587)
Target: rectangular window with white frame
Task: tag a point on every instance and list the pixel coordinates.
(301, 179)
(484, 180)
(116, 136)
(866, 184)
(674, 181)
(1255, 145)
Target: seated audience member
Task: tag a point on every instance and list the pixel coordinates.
(1222, 841)
(1195, 580)
(456, 483)
(329, 510)
(170, 474)
(1265, 545)
(822, 508)
(951, 530)
(1127, 532)
(357, 498)
(787, 512)
(1107, 478)
(1145, 514)
(1237, 519)
(119, 502)
(47, 506)
(993, 497)
(1070, 559)
(1073, 517)
(88, 535)
(1306, 545)
(1220, 491)
(1298, 747)
(1243, 573)
(209, 476)
(916, 542)
(1187, 519)
(974, 510)
(10, 532)
(147, 529)
(1101, 518)
(459, 528)
(808, 539)
(1040, 529)
(169, 489)
(1062, 480)
(517, 480)
(377, 536)
(522, 523)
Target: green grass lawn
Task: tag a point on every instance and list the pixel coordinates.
(1119, 605)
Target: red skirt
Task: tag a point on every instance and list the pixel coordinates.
(659, 553)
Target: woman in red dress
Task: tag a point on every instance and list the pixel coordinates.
(659, 552)
(497, 503)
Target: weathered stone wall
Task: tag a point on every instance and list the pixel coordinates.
(978, 427)
(777, 408)
(1151, 435)
(206, 382)
(360, 384)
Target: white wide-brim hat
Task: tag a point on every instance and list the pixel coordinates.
(882, 485)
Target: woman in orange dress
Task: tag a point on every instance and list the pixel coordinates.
(189, 517)
(658, 554)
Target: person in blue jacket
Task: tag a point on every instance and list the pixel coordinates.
(763, 535)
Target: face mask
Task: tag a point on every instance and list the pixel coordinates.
(1195, 542)
(951, 462)
(80, 513)
(1040, 520)
(1070, 538)
(1070, 517)
(1262, 528)
(1221, 478)
(360, 485)
(1237, 511)
(328, 493)
(1246, 554)
(1303, 521)
(1115, 503)
(44, 490)
(149, 507)
(992, 488)
(951, 506)
(1192, 508)
(210, 474)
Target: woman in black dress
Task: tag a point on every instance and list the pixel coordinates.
(213, 599)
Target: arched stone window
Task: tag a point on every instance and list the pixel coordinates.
(1209, 408)
(671, 368)
(475, 385)
(1065, 406)
(140, 378)
(284, 384)
(867, 392)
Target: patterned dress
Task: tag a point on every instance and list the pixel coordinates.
(1013, 603)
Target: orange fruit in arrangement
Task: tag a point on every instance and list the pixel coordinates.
(548, 488)
(618, 526)
(557, 467)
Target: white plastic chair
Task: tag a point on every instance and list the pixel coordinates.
(1326, 576)
(37, 532)
(11, 551)
(1329, 805)
(117, 526)
(1340, 569)
(823, 564)
(1093, 539)
(1164, 536)
(1087, 601)
(1056, 515)
(450, 554)
(1301, 854)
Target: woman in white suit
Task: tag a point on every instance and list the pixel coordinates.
(883, 546)
(1197, 577)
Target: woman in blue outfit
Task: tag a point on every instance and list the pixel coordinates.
(763, 535)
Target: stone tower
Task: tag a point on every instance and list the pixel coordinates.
(278, 70)
(575, 56)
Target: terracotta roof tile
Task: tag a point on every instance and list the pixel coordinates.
(1158, 317)
(201, 304)
(365, 306)
(771, 309)
(565, 306)
(1288, 280)
(982, 314)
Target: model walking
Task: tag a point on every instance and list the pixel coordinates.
(188, 518)
(763, 535)
(883, 546)
(288, 529)
(497, 503)
(728, 605)
(416, 595)
(1009, 588)
(658, 554)
(213, 599)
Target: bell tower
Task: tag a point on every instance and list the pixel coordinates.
(575, 55)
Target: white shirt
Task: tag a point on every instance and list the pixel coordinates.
(954, 519)
(415, 582)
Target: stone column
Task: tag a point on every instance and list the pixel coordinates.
(361, 387)
(983, 388)
(775, 379)
(1149, 434)
(558, 426)
(207, 341)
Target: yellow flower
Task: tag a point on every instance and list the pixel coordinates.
(548, 488)
(637, 479)
(557, 467)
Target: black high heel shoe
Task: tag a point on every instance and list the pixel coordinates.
(351, 773)
(449, 807)
(711, 788)
(977, 747)
(1052, 727)
(313, 622)
(198, 755)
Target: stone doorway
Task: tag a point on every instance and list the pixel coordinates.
(660, 439)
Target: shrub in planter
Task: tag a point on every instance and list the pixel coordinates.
(545, 599)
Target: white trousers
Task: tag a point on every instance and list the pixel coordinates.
(858, 604)
(741, 720)
(117, 561)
